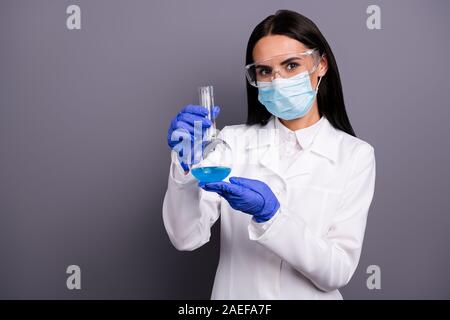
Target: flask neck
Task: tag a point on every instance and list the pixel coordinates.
(206, 99)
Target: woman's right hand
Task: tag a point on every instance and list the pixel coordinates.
(183, 123)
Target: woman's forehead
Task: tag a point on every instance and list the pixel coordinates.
(275, 45)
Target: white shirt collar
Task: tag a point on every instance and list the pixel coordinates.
(303, 137)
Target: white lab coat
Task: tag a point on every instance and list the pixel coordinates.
(312, 244)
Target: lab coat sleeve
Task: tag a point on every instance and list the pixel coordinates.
(329, 261)
(188, 211)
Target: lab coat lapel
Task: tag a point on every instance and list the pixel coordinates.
(270, 158)
(267, 143)
(300, 166)
(324, 144)
(264, 147)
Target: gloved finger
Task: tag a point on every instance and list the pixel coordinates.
(173, 124)
(215, 112)
(176, 136)
(220, 193)
(223, 187)
(192, 118)
(185, 126)
(216, 190)
(171, 128)
(184, 166)
(227, 196)
(212, 186)
(195, 109)
(254, 185)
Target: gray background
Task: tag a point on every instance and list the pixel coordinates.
(84, 160)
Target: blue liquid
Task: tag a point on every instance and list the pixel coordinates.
(211, 174)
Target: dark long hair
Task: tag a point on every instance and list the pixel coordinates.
(330, 98)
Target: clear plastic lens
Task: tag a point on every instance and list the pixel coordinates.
(284, 66)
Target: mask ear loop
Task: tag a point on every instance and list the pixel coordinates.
(320, 78)
(318, 83)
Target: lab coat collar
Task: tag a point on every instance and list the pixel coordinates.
(303, 137)
(325, 143)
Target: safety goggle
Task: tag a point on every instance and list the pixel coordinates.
(287, 65)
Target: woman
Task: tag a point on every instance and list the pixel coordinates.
(294, 212)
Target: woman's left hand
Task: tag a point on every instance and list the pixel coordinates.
(253, 197)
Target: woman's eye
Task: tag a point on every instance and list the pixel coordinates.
(292, 66)
(264, 71)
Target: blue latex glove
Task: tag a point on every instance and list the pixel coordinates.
(250, 196)
(185, 120)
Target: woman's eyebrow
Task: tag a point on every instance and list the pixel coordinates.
(262, 66)
(282, 63)
(290, 60)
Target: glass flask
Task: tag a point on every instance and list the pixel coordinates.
(215, 161)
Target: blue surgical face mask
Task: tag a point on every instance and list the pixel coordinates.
(290, 98)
